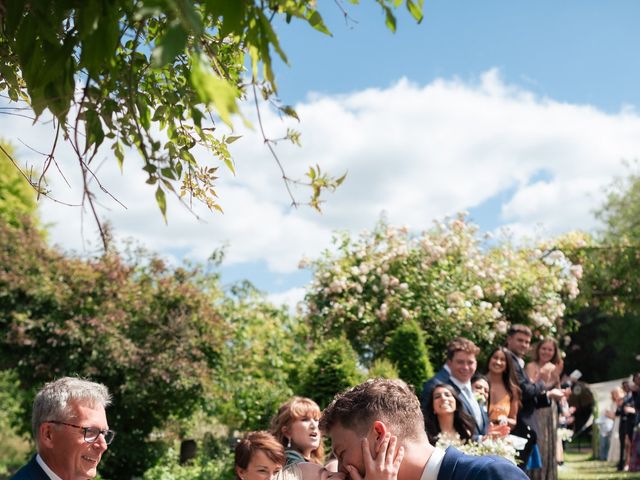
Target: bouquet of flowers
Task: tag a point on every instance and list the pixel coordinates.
(501, 447)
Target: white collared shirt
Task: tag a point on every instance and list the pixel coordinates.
(432, 468)
(46, 469)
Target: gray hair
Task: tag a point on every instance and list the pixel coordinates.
(53, 402)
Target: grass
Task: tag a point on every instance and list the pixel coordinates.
(579, 466)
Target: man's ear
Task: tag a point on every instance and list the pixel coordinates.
(45, 437)
(379, 430)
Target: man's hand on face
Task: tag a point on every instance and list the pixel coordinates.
(386, 463)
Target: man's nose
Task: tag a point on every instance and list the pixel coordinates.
(100, 443)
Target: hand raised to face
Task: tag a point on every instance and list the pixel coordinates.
(384, 465)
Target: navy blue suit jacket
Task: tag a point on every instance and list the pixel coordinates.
(533, 396)
(443, 376)
(30, 471)
(458, 466)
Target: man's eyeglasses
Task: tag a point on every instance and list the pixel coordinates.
(91, 434)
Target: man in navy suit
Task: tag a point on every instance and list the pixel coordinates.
(70, 429)
(457, 372)
(361, 419)
(533, 395)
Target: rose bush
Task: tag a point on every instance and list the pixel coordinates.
(449, 279)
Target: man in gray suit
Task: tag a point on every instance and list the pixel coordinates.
(70, 430)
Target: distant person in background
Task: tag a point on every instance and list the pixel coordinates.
(258, 456)
(617, 394)
(504, 397)
(534, 394)
(626, 412)
(634, 462)
(480, 388)
(544, 353)
(446, 417)
(296, 427)
(70, 429)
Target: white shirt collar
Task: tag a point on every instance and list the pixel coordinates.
(432, 468)
(46, 469)
(465, 387)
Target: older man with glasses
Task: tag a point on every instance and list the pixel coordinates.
(70, 430)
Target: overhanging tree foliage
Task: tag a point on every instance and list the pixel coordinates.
(154, 75)
(150, 333)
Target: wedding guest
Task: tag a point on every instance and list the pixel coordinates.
(617, 394)
(634, 461)
(534, 394)
(544, 353)
(446, 418)
(70, 430)
(258, 456)
(626, 412)
(504, 396)
(460, 366)
(480, 388)
(296, 427)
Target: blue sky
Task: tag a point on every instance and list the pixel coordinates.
(578, 52)
(517, 112)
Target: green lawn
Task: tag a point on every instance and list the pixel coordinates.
(577, 466)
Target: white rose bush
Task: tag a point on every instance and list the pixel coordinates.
(449, 279)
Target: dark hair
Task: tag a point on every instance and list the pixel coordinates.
(509, 379)
(519, 328)
(390, 401)
(462, 421)
(254, 441)
(461, 344)
(478, 376)
(296, 408)
(556, 354)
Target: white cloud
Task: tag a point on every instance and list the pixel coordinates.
(416, 152)
(291, 298)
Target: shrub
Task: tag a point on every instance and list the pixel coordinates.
(383, 368)
(331, 369)
(407, 351)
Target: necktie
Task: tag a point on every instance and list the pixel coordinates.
(474, 405)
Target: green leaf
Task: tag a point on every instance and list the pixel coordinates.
(213, 89)
(119, 152)
(390, 19)
(341, 179)
(170, 45)
(95, 134)
(315, 20)
(162, 202)
(232, 139)
(289, 111)
(167, 173)
(416, 9)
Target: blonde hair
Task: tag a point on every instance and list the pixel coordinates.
(296, 408)
(290, 472)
